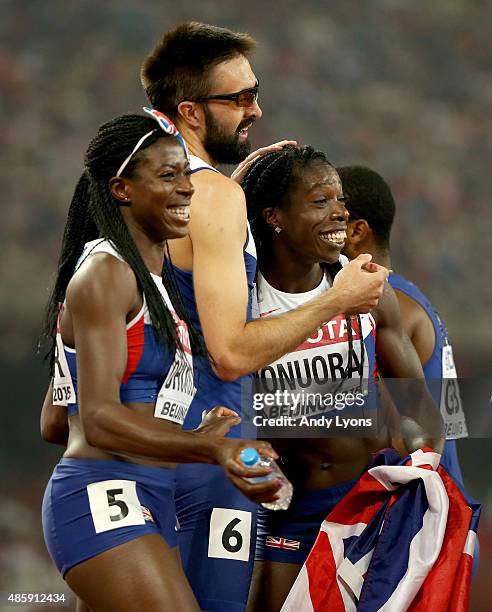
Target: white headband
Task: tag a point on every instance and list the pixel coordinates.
(137, 147)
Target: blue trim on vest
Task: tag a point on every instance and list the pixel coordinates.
(433, 367)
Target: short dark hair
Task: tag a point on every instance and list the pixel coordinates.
(368, 197)
(179, 66)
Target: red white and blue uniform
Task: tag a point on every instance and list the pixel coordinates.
(441, 378)
(287, 536)
(324, 356)
(148, 362)
(209, 507)
(93, 505)
(440, 375)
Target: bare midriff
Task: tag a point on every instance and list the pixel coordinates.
(79, 448)
(318, 463)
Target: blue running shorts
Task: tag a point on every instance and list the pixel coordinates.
(90, 506)
(216, 536)
(287, 536)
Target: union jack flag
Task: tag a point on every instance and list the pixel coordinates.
(282, 543)
(401, 539)
(167, 125)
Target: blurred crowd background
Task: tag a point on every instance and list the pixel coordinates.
(403, 87)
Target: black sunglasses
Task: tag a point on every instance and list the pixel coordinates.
(243, 98)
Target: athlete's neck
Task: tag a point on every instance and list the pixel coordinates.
(290, 276)
(195, 144)
(381, 257)
(151, 251)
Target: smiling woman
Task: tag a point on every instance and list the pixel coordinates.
(303, 216)
(160, 192)
(122, 370)
(299, 220)
(313, 217)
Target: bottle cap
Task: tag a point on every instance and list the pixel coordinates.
(249, 456)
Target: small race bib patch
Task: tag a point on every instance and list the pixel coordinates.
(319, 368)
(63, 389)
(178, 390)
(230, 534)
(451, 405)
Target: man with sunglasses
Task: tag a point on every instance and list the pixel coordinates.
(200, 76)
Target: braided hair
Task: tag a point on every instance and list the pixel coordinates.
(266, 184)
(269, 180)
(94, 213)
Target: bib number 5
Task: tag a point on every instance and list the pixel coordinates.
(113, 504)
(112, 501)
(230, 534)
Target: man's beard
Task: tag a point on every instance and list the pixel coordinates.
(224, 148)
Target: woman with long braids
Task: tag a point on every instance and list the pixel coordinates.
(121, 365)
(298, 219)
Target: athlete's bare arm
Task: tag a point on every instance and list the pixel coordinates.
(55, 429)
(99, 299)
(218, 232)
(397, 358)
(53, 421)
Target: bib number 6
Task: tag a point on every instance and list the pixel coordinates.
(230, 534)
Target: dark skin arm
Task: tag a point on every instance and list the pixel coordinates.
(55, 428)
(397, 358)
(414, 413)
(101, 296)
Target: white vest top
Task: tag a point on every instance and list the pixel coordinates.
(324, 356)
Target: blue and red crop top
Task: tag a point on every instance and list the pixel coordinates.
(152, 375)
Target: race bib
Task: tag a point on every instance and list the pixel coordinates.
(178, 390)
(318, 370)
(63, 389)
(451, 406)
(230, 534)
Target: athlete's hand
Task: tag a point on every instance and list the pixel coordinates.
(228, 457)
(359, 285)
(243, 167)
(218, 421)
